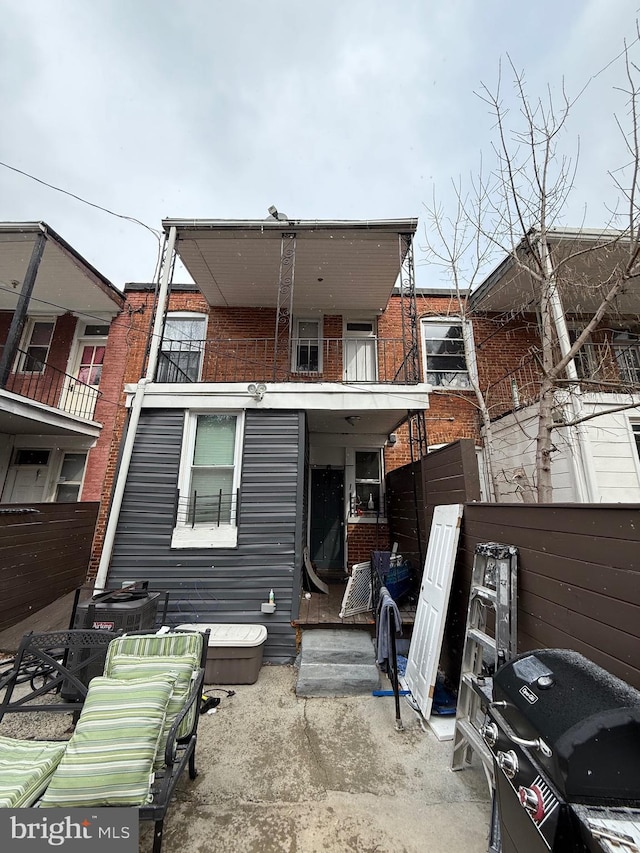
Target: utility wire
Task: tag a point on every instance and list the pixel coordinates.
(156, 234)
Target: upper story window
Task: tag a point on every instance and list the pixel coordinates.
(444, 353)
(208, 482)
(182, 348)
(306, 350)
(36, 346)
(626, 348)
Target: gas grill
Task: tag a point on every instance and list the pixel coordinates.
(565, 737)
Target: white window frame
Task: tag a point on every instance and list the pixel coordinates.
(59, 480)
(295, 367)
(26, 343)
(351, 484)
(468, 349)
(204, 535)
(188, 315)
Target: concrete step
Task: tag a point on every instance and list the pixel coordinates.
(337, 646)
(342, 679)
(336, 662)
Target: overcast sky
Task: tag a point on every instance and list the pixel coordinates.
(345, 109)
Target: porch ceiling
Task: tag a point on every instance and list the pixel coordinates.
(340, 267)
(378, 422)
(64, 280)
(584, 279)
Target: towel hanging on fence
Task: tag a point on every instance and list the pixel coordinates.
(387, 611)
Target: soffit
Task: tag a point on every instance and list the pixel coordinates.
(64, 282)
(584, 279)
(336, 268)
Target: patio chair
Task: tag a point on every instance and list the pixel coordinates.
(136, 733)
(57, 667)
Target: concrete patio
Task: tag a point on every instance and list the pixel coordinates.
(284, 774)
(293, 775)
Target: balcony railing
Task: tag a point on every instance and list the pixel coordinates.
(43, 383)
(359, 360)
(603, 367)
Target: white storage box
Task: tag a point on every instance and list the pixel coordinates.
(235, 652)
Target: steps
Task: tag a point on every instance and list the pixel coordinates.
(337, 662)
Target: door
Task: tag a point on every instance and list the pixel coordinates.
(326, 540)
(27, 478)
(428, 630)
(360, 352)
(79, 398)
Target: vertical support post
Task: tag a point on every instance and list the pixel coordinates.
(20, 314)
(285, 299)
(410, 345)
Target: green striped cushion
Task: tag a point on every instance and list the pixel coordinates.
(127, 667)
(155, 644)
(25, 768)
(109, 759)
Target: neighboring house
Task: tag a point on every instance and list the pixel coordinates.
(597, 460)
(276, 393)
(56, 418)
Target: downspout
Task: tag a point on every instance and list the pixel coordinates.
(585, 477)
(134, 418)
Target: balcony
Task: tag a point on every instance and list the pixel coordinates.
(604, 367)
(348, 360)
(43, 383)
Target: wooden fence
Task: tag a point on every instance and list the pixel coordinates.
(44, 553)
(446, 476)
(578, 577)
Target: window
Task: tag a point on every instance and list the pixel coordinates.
(37, 343)
(626, 347)
(32, 457)
(586, 358)
(368, 484)
(70, 479)
(209, 480)
(444, 355)
(636, 435)
(306, 347)
(182, 347)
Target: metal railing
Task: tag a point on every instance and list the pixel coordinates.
(601, 367)
(210, 509)
(43, 383)
(610, 363)
(358, 360)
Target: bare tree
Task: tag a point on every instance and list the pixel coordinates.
(514, 210)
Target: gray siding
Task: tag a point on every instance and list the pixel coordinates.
(219, 585)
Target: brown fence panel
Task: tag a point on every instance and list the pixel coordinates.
(44, 553)
(446, 476)
(578, 579)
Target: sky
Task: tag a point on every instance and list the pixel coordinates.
(327, 109)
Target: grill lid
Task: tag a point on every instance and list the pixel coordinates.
(589, 718)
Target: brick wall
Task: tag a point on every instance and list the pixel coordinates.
(123, 362)
(362, 539)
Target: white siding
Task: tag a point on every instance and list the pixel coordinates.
(615, 458)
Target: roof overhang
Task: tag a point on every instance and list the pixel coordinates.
(587, 261)
(65, 280)
(340, 266)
